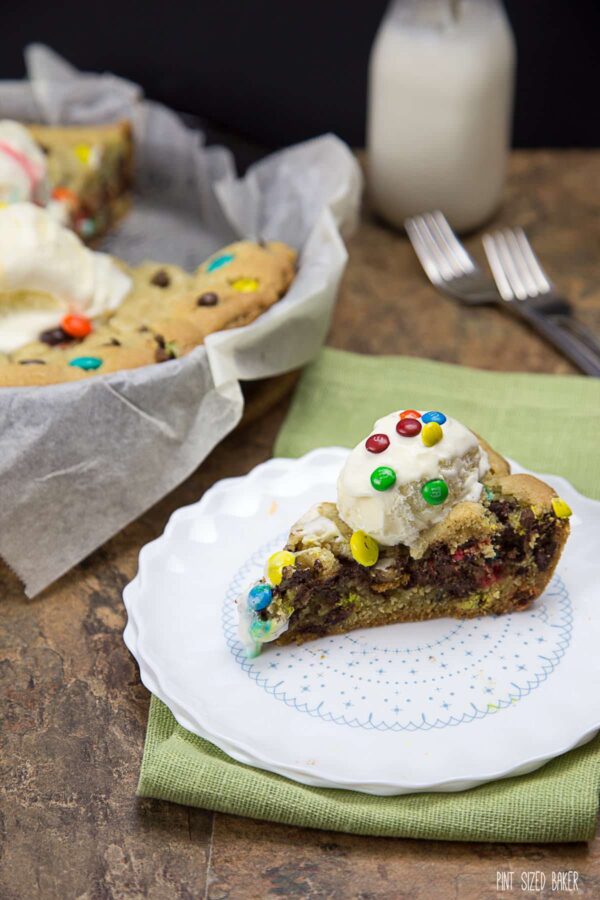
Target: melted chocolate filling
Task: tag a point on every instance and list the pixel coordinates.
(453, 574)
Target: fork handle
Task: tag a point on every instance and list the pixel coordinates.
(565, 340)
(570, 323)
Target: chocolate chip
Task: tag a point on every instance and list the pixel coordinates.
(32, 362)
(165, 350)
(143, 328)
(502, 509)
(55, 336)
(161, 279)
(208, 299)
(527, 518)
(112, 343)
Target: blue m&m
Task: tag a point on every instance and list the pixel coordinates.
(87, 363)
(260, 596)
(434, 416)
(219, 261)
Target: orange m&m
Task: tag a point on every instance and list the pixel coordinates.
(76, 326)
(410, 414)
(64, 195)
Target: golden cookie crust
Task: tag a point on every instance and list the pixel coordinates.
(167, 313)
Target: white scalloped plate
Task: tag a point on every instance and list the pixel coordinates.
(442, 705)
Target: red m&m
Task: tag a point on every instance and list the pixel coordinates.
(377, 443)
(408, 427)
(410, 414)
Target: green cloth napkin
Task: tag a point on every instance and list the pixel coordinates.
(547, 423)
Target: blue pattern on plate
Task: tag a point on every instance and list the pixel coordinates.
(404, 685)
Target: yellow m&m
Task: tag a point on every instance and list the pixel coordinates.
(276, 563)
(245, 285)
(431, 434)
(83, 152)
(561, 509)
(364, 548)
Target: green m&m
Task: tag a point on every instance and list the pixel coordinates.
(435, 491)
(383, 478)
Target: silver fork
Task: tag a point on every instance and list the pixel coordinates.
(446, 262)
(521, 279)
(454, 272)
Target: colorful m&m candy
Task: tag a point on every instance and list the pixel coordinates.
(260, 596)
(383, 478)
(408, 427)
(276, 563)
(261, 630)
(410, 414)
(219, 261)
(64, 195)
(76, 326)
(364, 549)
(245, 285)
(83, 152)
(377, 443)
(432, 434)
(434, 416)
(562, 510)
(87, 363)
(435, 491)
(85, 226)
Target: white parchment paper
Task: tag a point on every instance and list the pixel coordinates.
(79, 461)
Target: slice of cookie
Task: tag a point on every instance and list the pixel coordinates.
(429, 523)
(90, 173)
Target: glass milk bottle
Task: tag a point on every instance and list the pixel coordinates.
(440, 108)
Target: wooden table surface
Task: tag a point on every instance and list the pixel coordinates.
(72, 737)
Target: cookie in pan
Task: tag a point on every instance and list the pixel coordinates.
(67, 312)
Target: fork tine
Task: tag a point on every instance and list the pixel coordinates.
(447, 269)
(537, 273)
(454, 245)
(520, 263)
(493, 258)
(422, 249)
(510, 270)
(442, 246)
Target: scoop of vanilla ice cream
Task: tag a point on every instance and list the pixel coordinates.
(23, 168)
(400, 514)
(40, 256)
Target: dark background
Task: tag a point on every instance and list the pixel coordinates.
(248, 67)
